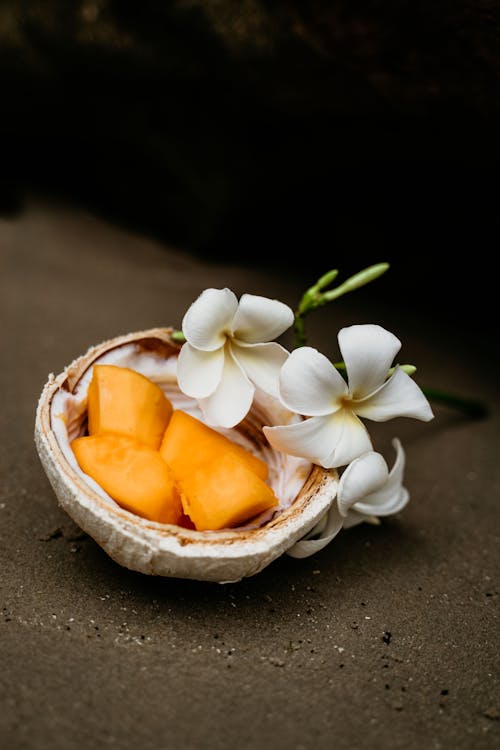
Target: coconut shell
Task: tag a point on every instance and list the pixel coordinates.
(167, 550)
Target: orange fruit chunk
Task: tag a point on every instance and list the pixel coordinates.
(221, 483)
(188, 441)
(133, 474)
(223, 493)
(125, 402)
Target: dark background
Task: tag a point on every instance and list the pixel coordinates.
(301, 136)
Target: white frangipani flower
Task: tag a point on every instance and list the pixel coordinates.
(310, 385)
(229, 352)
(367, 490)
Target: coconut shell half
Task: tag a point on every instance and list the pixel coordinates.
(305, 490)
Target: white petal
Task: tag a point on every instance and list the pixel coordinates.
(396, 474)
(354, 519)
(259, 319)
(262, 364)
(310, 384)
(199, 373)
(351, 439)
(368, 352)
(310, 439)
(395, 503)
(392, 497)
(330, 441)
(230, 403)
(324, 533)
(208, 320)
(399, 396)
(365, 474)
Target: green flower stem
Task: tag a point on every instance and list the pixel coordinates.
(315, 297)
(470, 407)
(356, 281)
(299, 331)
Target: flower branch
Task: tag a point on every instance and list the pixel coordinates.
(316, 297)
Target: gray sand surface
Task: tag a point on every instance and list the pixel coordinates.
(388, 638)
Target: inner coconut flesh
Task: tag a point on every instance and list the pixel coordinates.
(287, 474)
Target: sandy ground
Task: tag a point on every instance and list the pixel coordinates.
(388, 638)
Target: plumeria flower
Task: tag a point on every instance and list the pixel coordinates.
(367, 490)
(310, 385)
(229, 352)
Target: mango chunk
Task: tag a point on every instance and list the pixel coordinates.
(221, 483)
(187, 442)
(133, 474)
(223, 492)
(122, 401)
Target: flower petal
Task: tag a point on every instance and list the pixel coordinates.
(260, 319)
(199, 373)
(232, 399)
(354, 519)
(392, 496)
(310, 384)
(262, 364)
(208, 320)
(368, 352)
(321, 535)
(310, 439)
(330, 441)
(365, 474)
(399, 396)
(351, 439)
